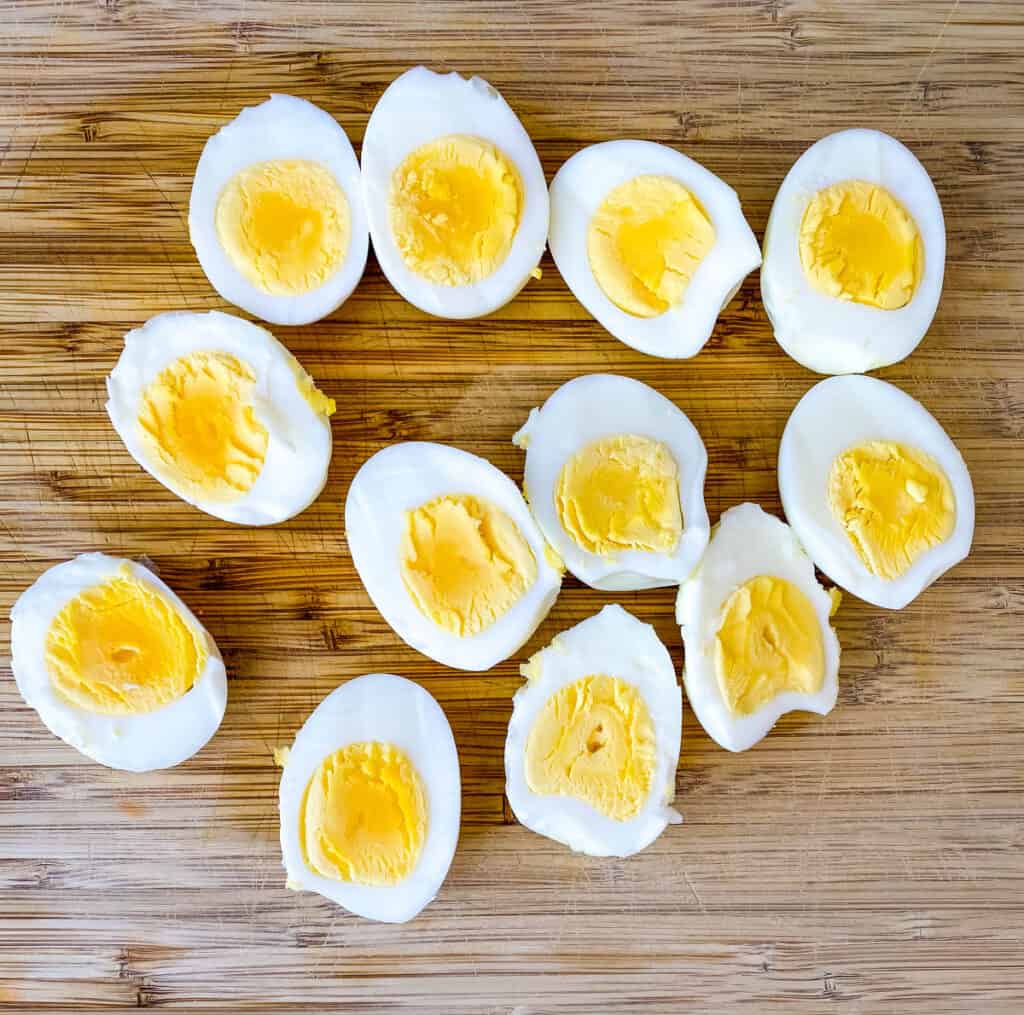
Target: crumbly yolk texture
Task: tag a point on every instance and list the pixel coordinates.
(363, 816)
(285, 225)
(621, 493)
(594, 740)
(199, 428)
(894, 503)
(645, 241)
(769, 641)
(464, 562)
(123, 648)
(858, 243)
(454, 208)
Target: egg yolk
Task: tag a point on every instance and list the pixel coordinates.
(894, 503)
(645, 241)
(858, 243)
(198, 426)
(285, 225)
(621, 493)
(769, 641)
(122, 648)
(464, 562)
(594, 740)
(363, 816)
(454, 208)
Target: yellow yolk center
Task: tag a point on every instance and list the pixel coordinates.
(363, 817)
(621, 493)
(769, 641)
(284, 225)
(858, 243)
(123, 648)
(464, 562)
(894, 503)
(594, 740)
(645, 242)
(454, 209)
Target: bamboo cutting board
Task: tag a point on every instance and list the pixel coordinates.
(865, 862)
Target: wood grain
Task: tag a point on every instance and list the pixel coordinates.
(866, 862)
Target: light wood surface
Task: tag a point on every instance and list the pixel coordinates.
(865, 862)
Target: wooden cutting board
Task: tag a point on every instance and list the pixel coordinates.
(865, 862)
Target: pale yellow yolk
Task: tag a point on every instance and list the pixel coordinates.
(858, 243)
(123, 648)
(284, 225)
(769, 642)
(464, 562)
(893, 501)
(363, 816)
(197, 424)
(311, 394)
(645, 242)
(621, 493)
(594, 740)
(454, 208)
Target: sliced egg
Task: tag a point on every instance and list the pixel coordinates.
(593, 742)
(615, 479)
(854, 254)
(116, 664)
(370, 799)
(449, 553)
(276, 214)
(756, 630)
(875, 489)
(455, 194)
(223, 415)
(650, 242)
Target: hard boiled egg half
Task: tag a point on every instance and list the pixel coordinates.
(875, 489)
(854, 254)
(276, 213)
(455, 194)
(223, 415)
(650, 242)
(116, 664)
(756, 629)
(615, 479)
(370, 799)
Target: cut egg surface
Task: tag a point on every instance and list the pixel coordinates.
(650, 242)
(854, 254)
(449, 553)
(615, 478)
(220, 412)
(116, 664)
(455, 194)
(874, 489)
(593, 742)
(370, 799)
(276, 215)
(756, 631)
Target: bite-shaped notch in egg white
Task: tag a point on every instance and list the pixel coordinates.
(449, 553)
(593, 742)
(854, 254)
(650, 242)
(370, 799)
(223, 415)
(276, 214)
(116, 664)
(756, 630)
(615, 478)
(875, 489)
(455, 194)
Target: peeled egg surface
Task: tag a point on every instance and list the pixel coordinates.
(854, 254)
(615, 478)
(116, 664)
